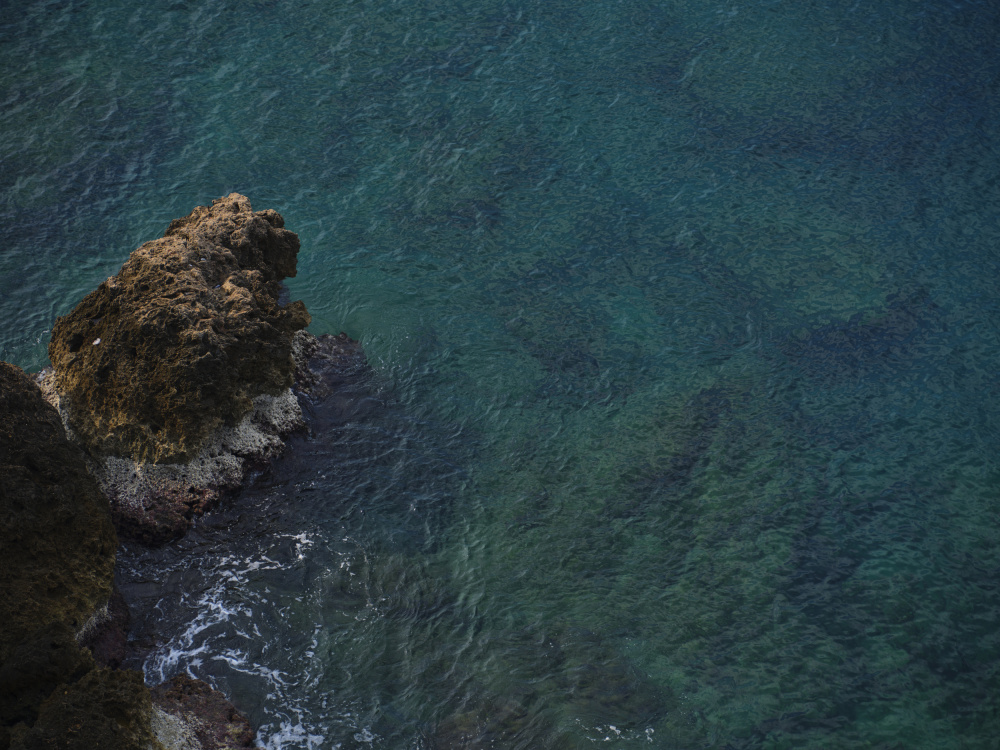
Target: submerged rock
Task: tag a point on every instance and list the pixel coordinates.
(175, 374)
(326, 364)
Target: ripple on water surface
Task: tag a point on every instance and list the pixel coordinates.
(682, 316)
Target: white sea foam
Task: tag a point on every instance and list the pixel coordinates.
(293, 733)
(223, 635)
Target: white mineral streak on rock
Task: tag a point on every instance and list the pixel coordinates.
(223, 462)
(173, 732)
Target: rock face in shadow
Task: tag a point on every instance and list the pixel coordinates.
(107, 708)
(57, 558)
(175, 374)
(180, 342)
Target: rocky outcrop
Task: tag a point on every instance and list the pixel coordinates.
(175, 374)
(170, 384)
(106, 708)
(57, 559)
(199, 717)
(183, 338)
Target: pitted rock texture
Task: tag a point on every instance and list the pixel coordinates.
(180, 342)
(201, 713)
(157, 503)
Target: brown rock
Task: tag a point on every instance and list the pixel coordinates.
(175, 374)
(182, 339)
(212, 719)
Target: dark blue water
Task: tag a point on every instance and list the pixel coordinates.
(682, 425)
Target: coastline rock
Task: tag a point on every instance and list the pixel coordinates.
(57, 559)
(180, 342)
(171, 383)
(324, 364)
(191, 714)
(175, 374)
(108, 709)
(107, 636)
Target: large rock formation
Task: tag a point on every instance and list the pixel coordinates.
(57, 557)
(183, 338)
(60, 621)
(175, 374)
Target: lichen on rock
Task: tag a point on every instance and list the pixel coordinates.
(180, 342)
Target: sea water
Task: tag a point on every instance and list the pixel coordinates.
(682, 424)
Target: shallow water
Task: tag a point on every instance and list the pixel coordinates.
(681, 430)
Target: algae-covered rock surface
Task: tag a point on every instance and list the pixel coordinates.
(57, 557)
(176, 373)
(183, 339)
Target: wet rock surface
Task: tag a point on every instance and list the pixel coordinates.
(201, 713)
(157, 503)
(325, 363)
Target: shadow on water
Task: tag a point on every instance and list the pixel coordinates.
(560, 679)
(336, 530)
(866, 346)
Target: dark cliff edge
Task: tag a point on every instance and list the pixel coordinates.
(170, 385)
(58, 553)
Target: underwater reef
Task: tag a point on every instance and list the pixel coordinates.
(170, 384)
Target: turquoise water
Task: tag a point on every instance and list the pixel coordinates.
(684, 328)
